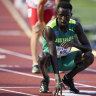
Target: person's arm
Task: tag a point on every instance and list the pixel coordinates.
(85, 44)
(40, 24)
(40, 10)
(56, 4)
(50, 38)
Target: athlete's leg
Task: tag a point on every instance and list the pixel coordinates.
(35, 44)
(44, 62)
(36, 33)
(82, 61)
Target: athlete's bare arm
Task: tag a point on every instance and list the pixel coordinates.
(84, 45)
(50, 38)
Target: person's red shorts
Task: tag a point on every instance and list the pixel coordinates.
(32, 14)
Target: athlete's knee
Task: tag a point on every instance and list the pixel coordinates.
(84, 59)
(43, 57)
(89, 57)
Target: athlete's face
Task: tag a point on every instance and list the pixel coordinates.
(63, 16)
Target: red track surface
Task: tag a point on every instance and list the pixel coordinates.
(16, 78)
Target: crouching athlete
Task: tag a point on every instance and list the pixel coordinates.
(58, 38)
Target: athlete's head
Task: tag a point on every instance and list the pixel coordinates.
(64, 13)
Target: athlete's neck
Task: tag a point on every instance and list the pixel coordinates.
(62, 27)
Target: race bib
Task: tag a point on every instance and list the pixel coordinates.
(61, 51)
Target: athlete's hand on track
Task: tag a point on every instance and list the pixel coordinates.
(58, 88)
(59, 85)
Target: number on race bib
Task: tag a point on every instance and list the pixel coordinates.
(61, 51)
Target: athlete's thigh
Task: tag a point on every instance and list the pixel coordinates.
(87, 57)
(68, 62)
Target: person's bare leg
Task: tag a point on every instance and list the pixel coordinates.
(35, 45)
(40, 40)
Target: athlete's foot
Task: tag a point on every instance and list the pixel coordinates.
(70, 84)
(44, 86)
(35, 69)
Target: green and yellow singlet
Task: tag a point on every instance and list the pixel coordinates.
(61, 37)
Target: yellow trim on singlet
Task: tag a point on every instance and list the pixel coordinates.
(72, 21)
(52, 23)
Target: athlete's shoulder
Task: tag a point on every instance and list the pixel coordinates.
(72, 21)
(52, 23)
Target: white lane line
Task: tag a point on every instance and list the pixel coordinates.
(85, 85)
(92, 70)
(2, 56)
(27, 87)
(15, 54)
(28, 57)
(18, 92)
(9, 66)
(17, 17)
(22, 87)
(11, 33)
(31, 75)
(82, 93)
(21, 73)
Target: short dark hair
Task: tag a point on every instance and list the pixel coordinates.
(64, 0)
(65, 5)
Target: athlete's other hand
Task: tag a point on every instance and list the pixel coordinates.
(59, 86)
